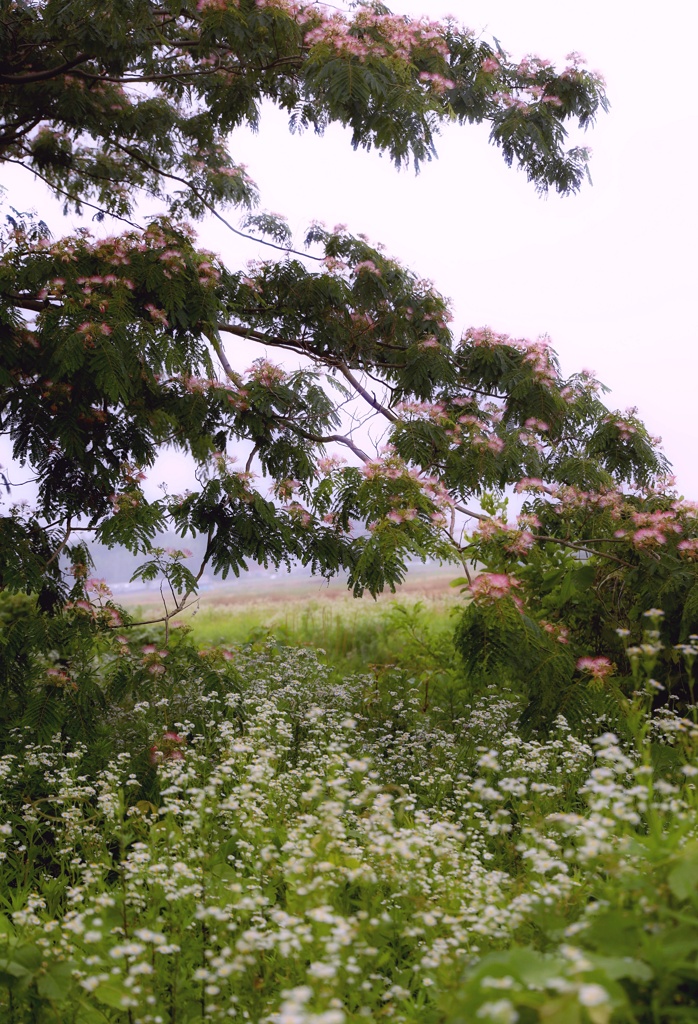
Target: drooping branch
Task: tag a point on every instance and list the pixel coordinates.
(63, 192)
(326, 439)
(371, 399)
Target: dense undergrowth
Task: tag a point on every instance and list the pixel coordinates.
(249, 834)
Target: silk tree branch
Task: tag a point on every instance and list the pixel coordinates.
(292, 345)
(26, 302)
(46, 74)
(73, 199)
(135, 154)
(319, 438)
(366, 395)
(326, 438)
(586, 548)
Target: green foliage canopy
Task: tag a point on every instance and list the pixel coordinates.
(112, 348)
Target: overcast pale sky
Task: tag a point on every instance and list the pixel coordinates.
(608, 274)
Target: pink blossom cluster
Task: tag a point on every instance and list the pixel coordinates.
(689, 549)
(60, 677)
(531, 66)
(370, 34)
(390, 467)
(529, 439)
(518, 540)
(90, 331)
(533, 424)
(511, 101)
(405, 515)
(215, 5)
(108, 280)
(243, 476)
(416, 410)
(368, 265)
(158, 315)
(302, 11)
(685, 507)
(238, 399)
(436, 491)
(300, 514)
(476, 430)
(654, 528)
(124, 501)
(250, 283)
(645, 530)
(556, 629)
(535, 69)
(438, 83)
(197, 385)
(107, 613)
(363, 319)
(598, 668)
(329, 463)
(387, 466)
(334, 265)
(208, 274)
(571, 498)
(524, 98)
(492, 442)
(626, 429)
(286, 488)
(119, 252)
(489, 587)
(169, 748)
(97, 586)
(266, 373)
(538, 353)
(152, 659)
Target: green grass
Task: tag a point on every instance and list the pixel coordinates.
(353, 634)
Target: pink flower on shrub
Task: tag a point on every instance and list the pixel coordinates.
(689, 548)
(521, 542)
(490, 586)
(598, 668)
(368, 265)
(169, 748)
(157, 314)
(529, 483)
(647, 538)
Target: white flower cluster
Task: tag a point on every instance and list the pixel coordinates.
(306, 864)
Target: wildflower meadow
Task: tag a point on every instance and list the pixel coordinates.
(252, 835)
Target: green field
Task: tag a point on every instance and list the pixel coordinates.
(353, 633)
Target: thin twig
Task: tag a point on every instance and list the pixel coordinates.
(584, 547)
(136, 155)
(73, 199)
